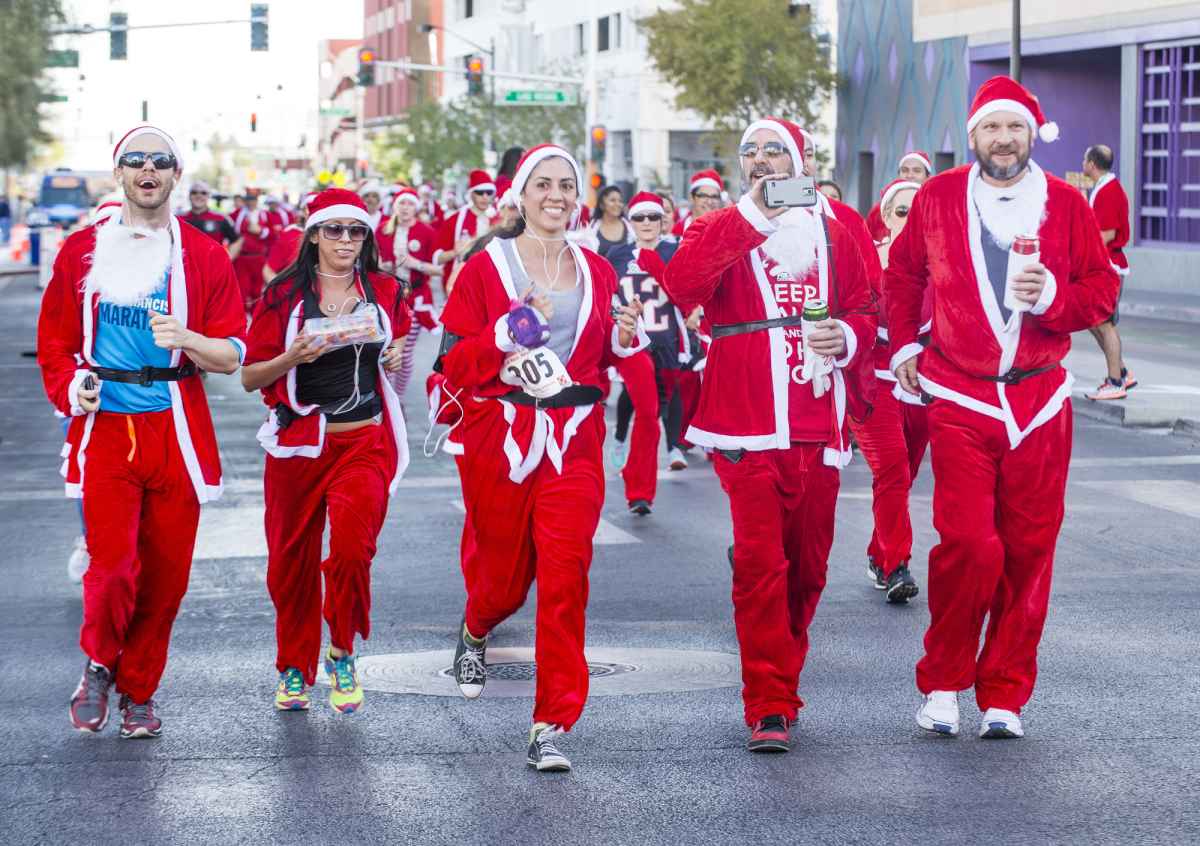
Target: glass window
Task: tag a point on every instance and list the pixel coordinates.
(1168, 201)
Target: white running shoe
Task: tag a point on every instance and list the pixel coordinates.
(678, 460)
(1000, 724)
(618, 454)
(940, 712)
(78, 563)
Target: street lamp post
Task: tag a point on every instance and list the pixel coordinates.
(1014, 58)
(490, 142)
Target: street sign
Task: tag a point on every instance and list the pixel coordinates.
(52, 98)
(62, 58)
(337, 111)
(519, 97)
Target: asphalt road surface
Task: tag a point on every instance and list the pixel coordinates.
(1111, 756)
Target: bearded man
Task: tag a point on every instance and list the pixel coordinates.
(774, 406)
(136, 307)
(1000, 421)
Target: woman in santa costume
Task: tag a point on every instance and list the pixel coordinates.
(774, 404)
(1000, 421)
(469, 223)
(253, 226)
(529, 326)
(406, 250)
(137, 306)
(335, 440)
(915, 166)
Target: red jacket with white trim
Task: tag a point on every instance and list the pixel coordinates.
(203, 295)
(941, 247)
(744, 401)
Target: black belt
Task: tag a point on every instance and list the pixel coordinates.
(572, 395)
(1016, 375)
(724, 330)
(284, 414)
(147, 375)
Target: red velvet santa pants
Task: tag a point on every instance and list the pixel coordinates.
(349, 482)
(641, 468)
(782, 503)
(141, 513)
(916, 435)
(884, 445)
(249, 272)
(539, 530)
(997, 512)
(689, 396)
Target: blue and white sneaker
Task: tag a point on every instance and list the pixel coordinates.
(939, 714)
(1000, 725)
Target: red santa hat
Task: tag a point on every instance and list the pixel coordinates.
(406, 195)
(146, 129)
(789, 133)
(480, 180)
(918, 156)
(1004, 94)
(533, 157)
(645, 202)
(334, 203)
(705, 179)
(889, 190)
(370, 187)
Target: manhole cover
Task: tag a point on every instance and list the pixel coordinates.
(512, 671)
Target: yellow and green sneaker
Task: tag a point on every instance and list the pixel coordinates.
(292, 693)
(344, 693)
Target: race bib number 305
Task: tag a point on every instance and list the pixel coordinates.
(539, 372)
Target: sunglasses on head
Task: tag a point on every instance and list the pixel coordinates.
(642, 218)
(770, 149)
(161, 161)
(334, 231)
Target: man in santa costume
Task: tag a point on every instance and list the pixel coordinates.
(774, 404)
(254, 229)
(406, 250)
(892, 447)
(431, 211)
(137, 306)
(286, 245)
(1111, 207)
(470, 222)
(915, 166)
(278, 217)
(705, 189)
(212, 223)
(372, 193)
(1000, 420)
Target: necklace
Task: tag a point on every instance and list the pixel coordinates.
(335, 275)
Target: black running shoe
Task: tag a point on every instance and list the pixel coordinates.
(770, 734)
(901, 586)
(470, 666)
(543, 755)
(640, 507)
(875, 574)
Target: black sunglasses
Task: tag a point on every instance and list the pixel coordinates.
(484, 193)
(334, 231)
(640, 218)
(161, 161)
(901, 211)
(700, 196)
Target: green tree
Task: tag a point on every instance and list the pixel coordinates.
(734, 61)
(25, 36)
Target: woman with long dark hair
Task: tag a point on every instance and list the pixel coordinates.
(608, 220)
(508, 168)
(324, 333)
(529, 328)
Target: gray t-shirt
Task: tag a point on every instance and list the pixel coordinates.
(996, 259)
(567, 303)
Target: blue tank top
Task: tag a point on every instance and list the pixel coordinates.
(124, 342)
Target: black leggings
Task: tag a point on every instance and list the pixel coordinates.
(669, 409)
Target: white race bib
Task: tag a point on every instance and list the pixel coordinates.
(539, 372)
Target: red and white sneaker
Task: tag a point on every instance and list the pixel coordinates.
(139, 719)
(1108, 391)
(770, 734)
(89, 702)
(1130, 380)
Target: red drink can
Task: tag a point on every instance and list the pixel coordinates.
(1025, 245)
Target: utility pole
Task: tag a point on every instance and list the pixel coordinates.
(1014, 59)
(593, 99)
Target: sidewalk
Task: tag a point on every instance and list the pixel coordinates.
(1161, 306)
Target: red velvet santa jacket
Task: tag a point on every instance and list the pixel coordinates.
(941, 248)
(477, 313)
(745, 395)
(203, 295)
(278, 318)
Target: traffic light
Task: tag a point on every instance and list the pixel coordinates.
(599, 136)
(596, 180)
(366, 66)
(118, 22)
(254, 121)
(474, 65)
(258, 26)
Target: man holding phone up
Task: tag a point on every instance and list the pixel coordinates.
(137, 305)
(774, 403)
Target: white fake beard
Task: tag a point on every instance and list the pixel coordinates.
(1016, 210)
(129, 263)
(794, 245)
